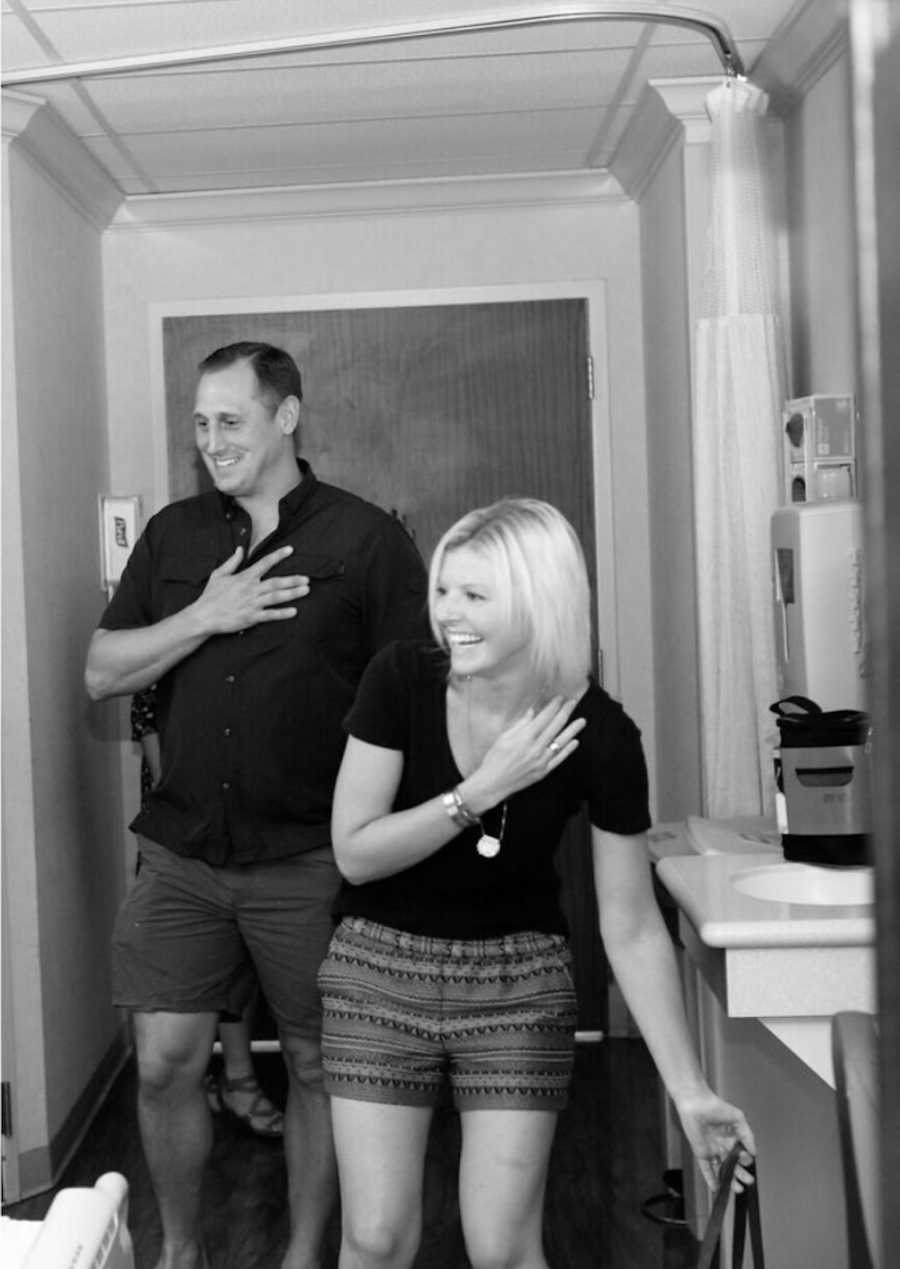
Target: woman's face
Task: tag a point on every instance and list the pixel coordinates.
(470, 612)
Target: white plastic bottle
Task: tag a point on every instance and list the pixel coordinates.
(85, 1229)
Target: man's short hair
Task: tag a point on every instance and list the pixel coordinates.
(276, 371)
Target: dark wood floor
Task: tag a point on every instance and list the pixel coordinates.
(607, 1160)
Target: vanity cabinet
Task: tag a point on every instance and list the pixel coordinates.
(762, 981)
(793, 1116)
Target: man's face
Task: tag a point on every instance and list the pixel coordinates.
(241, 440)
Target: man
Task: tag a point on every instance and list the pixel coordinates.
(255, 607)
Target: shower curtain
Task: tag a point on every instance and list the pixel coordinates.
(739, 383)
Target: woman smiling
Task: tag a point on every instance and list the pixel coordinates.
(465, 759)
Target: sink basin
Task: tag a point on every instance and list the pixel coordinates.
(805, 883)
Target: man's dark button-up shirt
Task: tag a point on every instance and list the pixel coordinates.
(251, 723)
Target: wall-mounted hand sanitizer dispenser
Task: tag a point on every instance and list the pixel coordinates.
(817, 567)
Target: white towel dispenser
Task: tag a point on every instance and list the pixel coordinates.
(820, 638)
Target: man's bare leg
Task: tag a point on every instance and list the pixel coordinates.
(309, 1153)
(176, 1129)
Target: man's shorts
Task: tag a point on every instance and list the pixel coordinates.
(405, 1014)
(190, 938)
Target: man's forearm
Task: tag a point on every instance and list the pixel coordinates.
(120, 662)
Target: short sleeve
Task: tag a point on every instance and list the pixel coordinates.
(131, 603)
(379, 713)
(618, 800)
(396, 588)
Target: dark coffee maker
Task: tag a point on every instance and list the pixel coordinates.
(823, 772)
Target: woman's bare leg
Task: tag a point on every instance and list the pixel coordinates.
(381, 1163)
(502, 1180)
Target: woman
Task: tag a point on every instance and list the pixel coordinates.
(463, 763)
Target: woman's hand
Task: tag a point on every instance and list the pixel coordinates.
(712, 1126)
(527, 750)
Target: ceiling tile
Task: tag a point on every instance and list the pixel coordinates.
(223, 98)
(398, 149)
(20, 48)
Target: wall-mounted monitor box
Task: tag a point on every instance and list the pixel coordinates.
(819, 439)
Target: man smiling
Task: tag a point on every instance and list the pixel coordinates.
(255, 607)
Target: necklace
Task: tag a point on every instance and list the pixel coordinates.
(488, 846)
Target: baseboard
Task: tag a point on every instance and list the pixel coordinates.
(40, 1169)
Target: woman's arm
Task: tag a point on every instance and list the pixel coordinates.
(642, 959)
(369, 840)
(373, 841)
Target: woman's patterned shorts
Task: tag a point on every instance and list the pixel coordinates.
(404, 1014)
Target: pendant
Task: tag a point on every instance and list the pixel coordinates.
(488, 847)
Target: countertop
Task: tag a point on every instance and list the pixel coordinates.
(788, 966)
(724, 917)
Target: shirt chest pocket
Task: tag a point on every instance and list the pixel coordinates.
(182, 579)
(318, 568)
(324, 613)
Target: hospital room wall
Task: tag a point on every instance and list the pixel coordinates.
(241, 253)
(63, 867)
(79, 381)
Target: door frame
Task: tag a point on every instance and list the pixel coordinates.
(11, 1185)
(592, 293)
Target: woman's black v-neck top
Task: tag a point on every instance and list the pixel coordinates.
(455, 893)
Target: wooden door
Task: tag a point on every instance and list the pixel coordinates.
(430, 411)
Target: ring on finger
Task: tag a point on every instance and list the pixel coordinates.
(553, 747)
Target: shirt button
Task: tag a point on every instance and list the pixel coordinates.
(225, 785)
(243, 532)
(227, 731)
(229, 678)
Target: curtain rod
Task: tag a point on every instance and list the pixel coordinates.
(526, 16)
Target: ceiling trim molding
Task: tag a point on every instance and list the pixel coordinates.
(669, 111)
(143, 212)
(34, 127)
(800, 51)
(686, 100)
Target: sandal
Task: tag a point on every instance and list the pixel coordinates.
(262, 1117)
(213, 1096)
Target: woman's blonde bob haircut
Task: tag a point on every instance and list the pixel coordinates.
(541, 580)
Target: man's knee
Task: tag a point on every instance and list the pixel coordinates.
(172, 1048)
(302, 1053)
